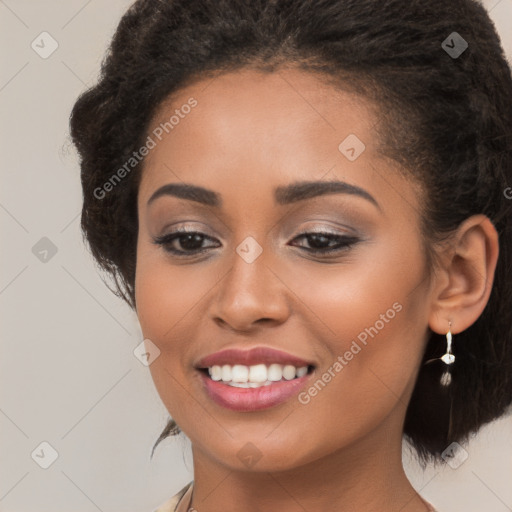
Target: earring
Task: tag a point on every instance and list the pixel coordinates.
(448, 358)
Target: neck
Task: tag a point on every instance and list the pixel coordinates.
(366, 476)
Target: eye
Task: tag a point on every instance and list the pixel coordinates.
(189, 241)
(323, 242)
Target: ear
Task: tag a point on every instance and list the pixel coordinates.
(463, 283)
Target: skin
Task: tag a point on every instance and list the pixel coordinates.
(249, 133)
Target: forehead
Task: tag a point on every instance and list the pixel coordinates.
(249, 128)
(253, 91)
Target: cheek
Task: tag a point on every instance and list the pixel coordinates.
(369, 313)
(166, 294)
(343, 299)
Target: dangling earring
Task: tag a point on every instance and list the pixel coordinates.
(448, 358)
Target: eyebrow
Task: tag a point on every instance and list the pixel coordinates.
(284, 195)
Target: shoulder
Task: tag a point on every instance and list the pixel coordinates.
(171, 504)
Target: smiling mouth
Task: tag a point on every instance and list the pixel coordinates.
(255, 376)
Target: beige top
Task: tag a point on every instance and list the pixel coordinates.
(183, 498)
(180, 502)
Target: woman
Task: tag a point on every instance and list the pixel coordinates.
(307, 204)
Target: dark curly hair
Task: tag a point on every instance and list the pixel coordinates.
(445, 118)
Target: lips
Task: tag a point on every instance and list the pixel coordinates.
(256, 355)
(253, 399)
(265, 395)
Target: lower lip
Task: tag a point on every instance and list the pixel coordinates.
(252, 399)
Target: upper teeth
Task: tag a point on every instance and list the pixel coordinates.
(257, 374)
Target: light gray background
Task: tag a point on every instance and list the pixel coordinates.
(68, 373)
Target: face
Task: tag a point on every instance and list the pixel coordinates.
(335, 277)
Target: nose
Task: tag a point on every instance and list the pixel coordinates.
(250, 294)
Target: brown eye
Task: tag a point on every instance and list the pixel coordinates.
(327, 243)
(189, 242)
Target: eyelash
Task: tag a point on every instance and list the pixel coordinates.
(344, 243)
